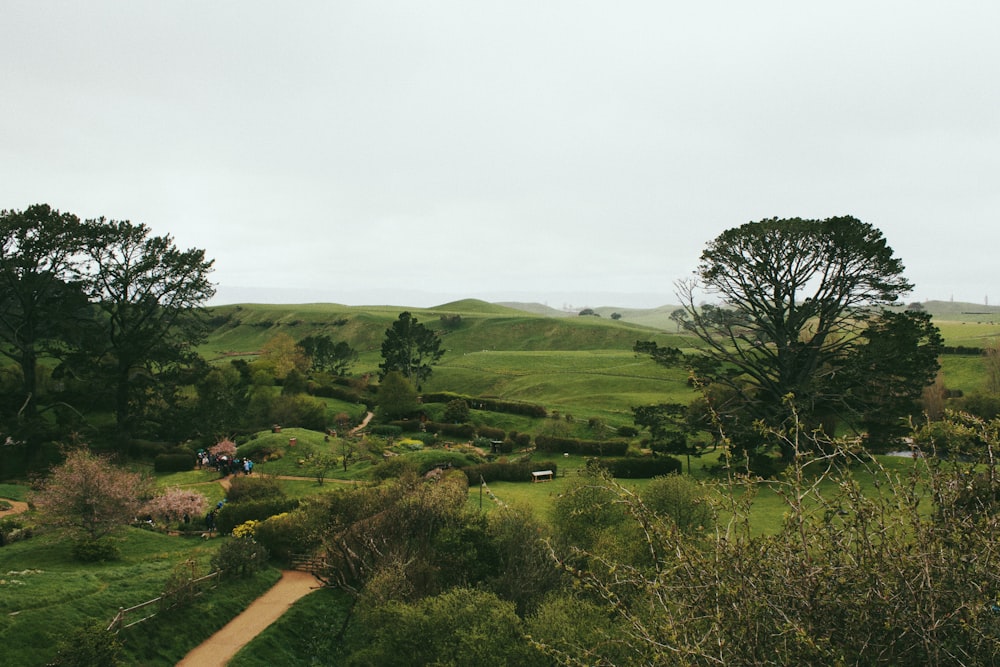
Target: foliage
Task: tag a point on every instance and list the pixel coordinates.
(240, 557)
(638, 467)
(682, 500)
(96, 550)
(801, 301)
(506, 472)
(90, 495)
(850, 578)
(40, 295)
(150, 296)
(410, 348)
(280, 355)
(88, 646)
(224, 447)
(553, 444)
(456, 411)
(462, 626)
(176, 462)
(370, 529)
(176, 504)
(397, 398)
(234, 514)
(326, 356)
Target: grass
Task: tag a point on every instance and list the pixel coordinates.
(45, 594)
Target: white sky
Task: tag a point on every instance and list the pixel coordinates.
(578, 153)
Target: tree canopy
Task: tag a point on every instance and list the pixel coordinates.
(410, 348)
(798, 304)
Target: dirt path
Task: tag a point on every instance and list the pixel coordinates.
(17, 507)
(218, 649)
(364, 423)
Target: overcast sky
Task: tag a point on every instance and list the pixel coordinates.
(571, 153)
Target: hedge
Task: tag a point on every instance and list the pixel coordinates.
(505, 472)
(233, 514)
(174, 462)
(640, 467)
(489, 404)
(547, 443)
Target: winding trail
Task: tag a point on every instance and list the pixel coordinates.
(218, 649)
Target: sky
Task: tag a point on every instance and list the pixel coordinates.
(571, 153)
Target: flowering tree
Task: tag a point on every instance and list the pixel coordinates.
(224, 447)
(175, 504)
(90, 495)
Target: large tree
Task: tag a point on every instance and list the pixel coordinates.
(410, 348)
(39, 290)
(150, 295)
(90, 495)
(798, 301)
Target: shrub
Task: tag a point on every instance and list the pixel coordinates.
(88, 646)
(234, 514)
(681, 499)
(456, 411)
(174, 462)
(490, 432)
(286, 534)
(548, 443)
(240, 557)
(395, 466)
(253, 488)
(98, 550)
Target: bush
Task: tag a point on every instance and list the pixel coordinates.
(96, 550)
(286, 534)
(13, 529)
(490, 432)
(89, 646)
(173, 462)
(681, 499)
(245, 487)
(393, 467)
(233, 514)
(240, 557)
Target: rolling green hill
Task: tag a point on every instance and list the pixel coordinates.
(582, 365)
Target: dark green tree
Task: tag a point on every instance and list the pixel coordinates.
(410, 348)
(40, 295)
(671, 429)
(396, 397)
(796, 298)
(150, 296)
(325, 355)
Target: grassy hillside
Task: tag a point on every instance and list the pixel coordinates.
(581, 365)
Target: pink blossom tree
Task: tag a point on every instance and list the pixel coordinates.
(174, 504)
(224, 447)
(90, 495)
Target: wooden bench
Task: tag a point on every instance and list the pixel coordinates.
(541, 476)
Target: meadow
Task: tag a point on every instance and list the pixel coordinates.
(579, 368)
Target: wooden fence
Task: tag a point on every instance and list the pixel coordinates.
(308, 563)
(149, 609)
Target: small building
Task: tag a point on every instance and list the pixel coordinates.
(541, 476)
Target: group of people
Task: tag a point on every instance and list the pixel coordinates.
(226, 465)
